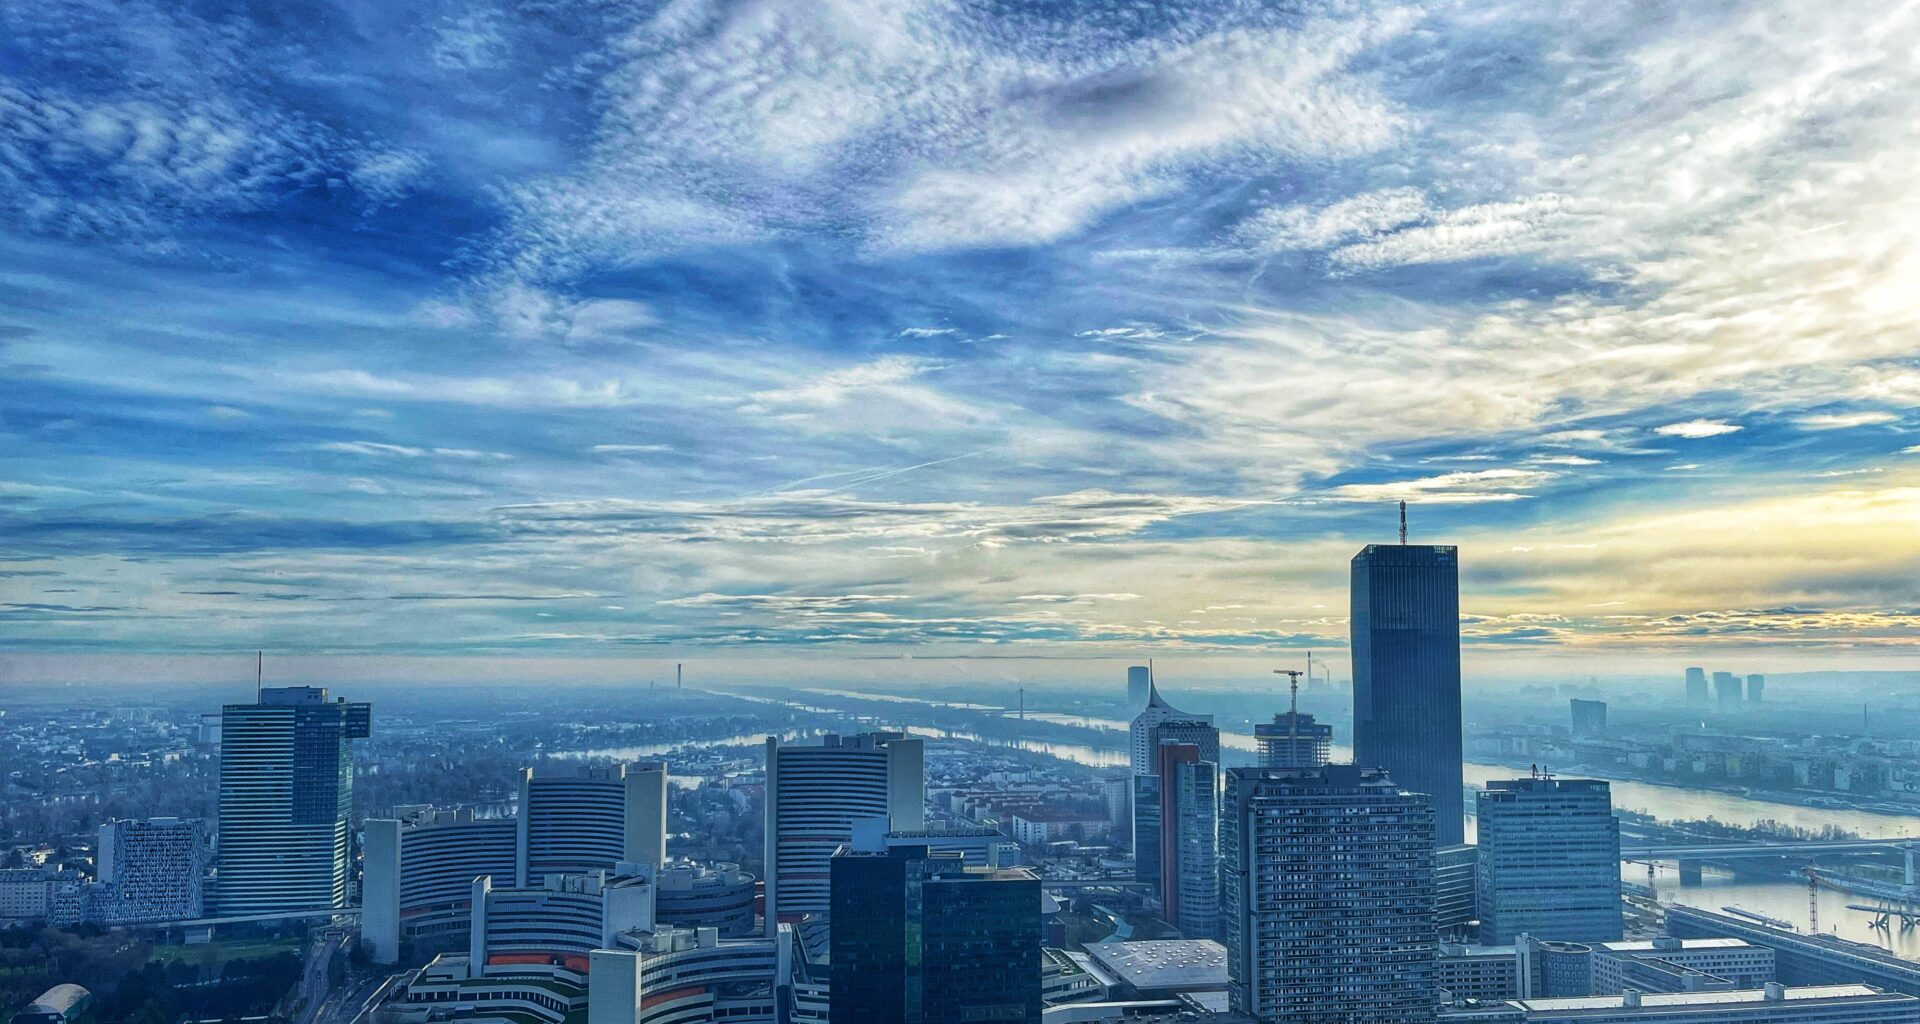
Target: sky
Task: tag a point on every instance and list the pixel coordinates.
(839, 332)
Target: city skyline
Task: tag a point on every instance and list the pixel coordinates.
(575, 333)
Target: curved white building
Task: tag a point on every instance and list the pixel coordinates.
(814, 795)
(687, 976)
(417, 887)
(706, 896)
(1157, 713)
(591, 820)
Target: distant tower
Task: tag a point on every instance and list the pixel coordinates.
(1726, 691)
(1589, 718)
(1756, 689)
(1697, 693)
(286, 799)
(1139, 687)
(1293, 740)
(1405, 624)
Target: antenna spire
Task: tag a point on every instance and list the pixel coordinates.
(1403, 523)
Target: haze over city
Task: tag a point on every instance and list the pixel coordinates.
(768, 335)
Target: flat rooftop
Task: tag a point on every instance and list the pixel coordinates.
(1164, 964)
(1727, 998)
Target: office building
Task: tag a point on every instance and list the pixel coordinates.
(1735, 962)
(1698, 695)
(1454, 868)
(591, 819)
(417, 879)
(814, 795)
(1293, 740)
(1158, 724)
(1139, 686)
(286, 795)
(678, 975)
(1589, 719)
(924, 939)
(1141, 739)
(1189, 852)
(1146, 829)
(718, 896)
(1549, 861)
(1726, 691)
(151, 869)
(1405, 623)
(1756, 689)
(1801, 959)
(1463, 972)
(977, 845)
(1774, 1004)
(1329, 896)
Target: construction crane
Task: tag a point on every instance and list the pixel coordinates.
(1813, 899)
(1293, 710)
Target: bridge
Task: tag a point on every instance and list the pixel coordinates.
(1710, 851)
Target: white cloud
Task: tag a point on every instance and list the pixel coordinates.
(1465, 487)
(1697, 429)
(1844, 420)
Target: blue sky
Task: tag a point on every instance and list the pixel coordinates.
(845, 330)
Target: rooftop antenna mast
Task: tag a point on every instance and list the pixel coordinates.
(1403, 523)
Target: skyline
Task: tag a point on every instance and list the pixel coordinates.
(720, 334)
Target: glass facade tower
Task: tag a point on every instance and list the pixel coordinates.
(1405, 625)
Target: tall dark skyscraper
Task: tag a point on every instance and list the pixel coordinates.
(919, 938)
(286, 795)
(1406, 674)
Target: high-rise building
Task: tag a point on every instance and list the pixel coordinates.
(1454, 868)
(1141, 740)
(154, 869)
(923, 939)
(417, 878)
(1329, 896)
(1293, 740)
(718, 896)
(1756, 689)
(1589, 718)
(1549, 861)
(1159, 725)
(1405, 623)
(1698, 695)
(1139, 687)
(1189, 851)
(286, 795)
(591, 819)
(815, 793)
(1726, 691)
(1146, 829)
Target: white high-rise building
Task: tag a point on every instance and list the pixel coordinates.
(286, 794)
(1139, 687)
(815, 794)
(418, 874)
(1157, 712)
(592, 819)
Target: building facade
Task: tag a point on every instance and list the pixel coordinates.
(1189, 840)
(1726, 691)
(591, 819)
(1698, 694)
(717, 896)
(922, 939)
(815, 794)
(1549, 861)
(418, 872)
(1405, 623)
(286, 795)
(155, 869)
(1329, 896)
